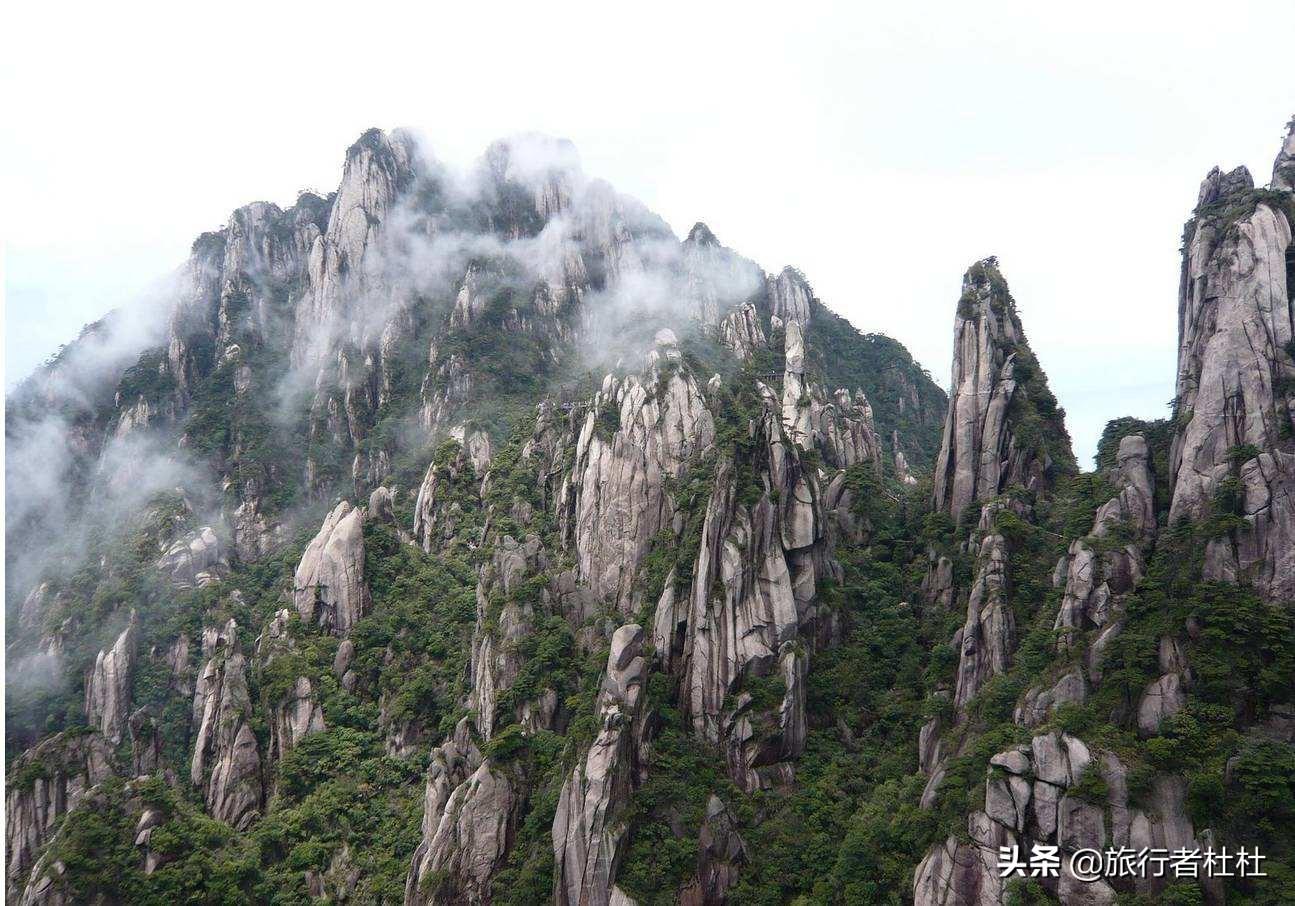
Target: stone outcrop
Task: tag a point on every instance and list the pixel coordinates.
(588, 828)
(987, 639)
(195, 560)
(44, 784)
(789, 298)
(449, 488)
(1284, 165)
(981, 454)
(639, 433)
(467, 825)
(330, 587)
(226, 763)
(107, 687)
(1031, 796)
(721, 854)
(840, 429)
(1235, 393)
(750, 616)
(1099, 569)
(741, 332)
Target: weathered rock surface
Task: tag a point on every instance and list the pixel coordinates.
(588, 829)
(981, 455)
(467, 825)
(107, 687)
(1098, 573)
(45, 783)
(1029, 799)
(1234, 387)
(638, 433)
(988, 636)
(195, 560)
(226, 763)
(330, 586)
(1284, 165)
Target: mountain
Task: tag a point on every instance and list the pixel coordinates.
(470, 538)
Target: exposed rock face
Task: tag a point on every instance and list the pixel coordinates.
(1234, 387)
(299, 715)
(1284, 165)
(789, 297)
(226, 761)
(588, 829)
(988, 637)
(741, 332)
(107, 687)
(66, 766)
(195, 560)
(638, 433)
(720, 857)
(842, 430)
(1097, 574)
(496, 660)
(330, 585)
(449, 484)
(981, 455)
(1028, 797)
(750, 613)
(467, 825)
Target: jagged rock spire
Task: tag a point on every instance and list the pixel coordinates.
(1284, 165)
(1236, 376)
(1003, 426)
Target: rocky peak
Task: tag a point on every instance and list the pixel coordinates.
(1284, 165)
(330, 584)
(107, 688)
(700, 234)
(1235, 402)
(1003, 427)
(789, 297)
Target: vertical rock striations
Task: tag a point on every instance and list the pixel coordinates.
(226, 763)
(329, 580)
(1003, 426)
(589, 827)
(1233, 454)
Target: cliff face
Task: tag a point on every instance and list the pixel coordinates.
(468, 538)
(1003, 428)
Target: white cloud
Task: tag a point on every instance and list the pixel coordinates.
(879, 149)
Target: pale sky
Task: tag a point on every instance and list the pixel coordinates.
(878, 147)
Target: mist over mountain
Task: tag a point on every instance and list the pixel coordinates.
(466, 536)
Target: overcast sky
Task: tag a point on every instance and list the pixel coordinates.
(879, 149)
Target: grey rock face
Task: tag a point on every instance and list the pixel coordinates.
(1039, 703)
(789, 297)
(741, 332)
(980, 455)
(467, 825)
(988, 637)
(588, 829)
(1234, 381)
(720, 857)
(107, 687)
(841, 429)
(438, 509)
(1098, 576)
(1029, 797)
(226, 761)
(330, 586)
(71, 764)
(299, 715)
(617, 487)
(1284, 165)
(194, 561)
